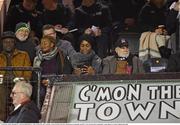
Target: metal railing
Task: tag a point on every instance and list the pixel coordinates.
(6, 83)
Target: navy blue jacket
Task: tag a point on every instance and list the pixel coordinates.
(27, 113)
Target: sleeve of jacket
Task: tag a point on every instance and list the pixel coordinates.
(97, 64)
(106, 66)
(27, 62)
(137, 65)
(171, 21)
(172, 63)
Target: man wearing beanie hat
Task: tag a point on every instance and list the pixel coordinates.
(10, 56)
(22, 31)
(24, 42)
(122, 62)
(23, 12)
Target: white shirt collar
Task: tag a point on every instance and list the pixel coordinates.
(17, 107)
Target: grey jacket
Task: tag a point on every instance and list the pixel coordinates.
(66, 47)
(109, 65)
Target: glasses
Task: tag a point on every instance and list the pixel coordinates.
(15, 93)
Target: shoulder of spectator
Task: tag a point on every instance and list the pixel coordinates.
(108, 59)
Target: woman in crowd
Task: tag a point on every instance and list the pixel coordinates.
(86, 61)
(50, 58)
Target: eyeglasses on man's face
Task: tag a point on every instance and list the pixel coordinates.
(15, 93)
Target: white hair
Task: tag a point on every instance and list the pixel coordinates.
(24, 87)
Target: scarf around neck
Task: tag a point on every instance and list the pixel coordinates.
(44, 56)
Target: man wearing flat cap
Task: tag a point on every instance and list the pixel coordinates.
(122, 61)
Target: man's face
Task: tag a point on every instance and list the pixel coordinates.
(8, 44)
(22, 34)
(50, 32)
(122, 51)
(16, 96)
(47, 3)
(29, 5)
(85, 47)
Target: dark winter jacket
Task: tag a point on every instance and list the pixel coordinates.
(150, 17)
(27, 113)
(97, 15)
(17, 14)
(174, 63)
(62, 15)
(28, 46)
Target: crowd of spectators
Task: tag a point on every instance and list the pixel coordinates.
(75, 36)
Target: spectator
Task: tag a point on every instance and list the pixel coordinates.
(173, 22)
(11, 56)
(126, 12)
(24, 12)
(25, 110)
(64, 45)
(51, 60)
(152, 14)
(122, 62)
(174, 63)
(86, 61)
(69, 4)
(59, 16)
(95, 19)
(24, 41)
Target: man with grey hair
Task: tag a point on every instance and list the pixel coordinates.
(25, 111)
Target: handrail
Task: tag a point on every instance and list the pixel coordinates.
(17, 68)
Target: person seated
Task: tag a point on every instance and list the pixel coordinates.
(24, 12)
(52, 61)
(94, 19)
(11, 56)
(24, 41)
(122, 61)
(25, 110)
(86, 61)
(64, 45)
(59, 16)
(152, 14)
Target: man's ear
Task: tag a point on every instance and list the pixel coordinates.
(116, 49)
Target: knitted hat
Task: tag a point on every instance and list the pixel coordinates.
(22, 25)
(121, 42)
(8, 34)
